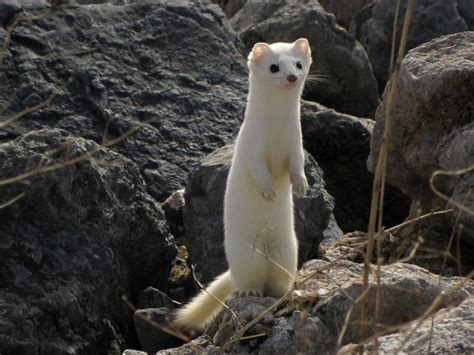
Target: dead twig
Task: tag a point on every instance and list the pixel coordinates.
(381, 166)
(12, 201)
(204, 289)
(9, 120)
(446, 197)
(8, 36)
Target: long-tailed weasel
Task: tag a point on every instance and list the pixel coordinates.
(268, 161)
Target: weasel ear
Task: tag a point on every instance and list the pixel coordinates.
(303, 46)
(258, 51)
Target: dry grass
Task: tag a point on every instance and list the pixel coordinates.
(381, 168)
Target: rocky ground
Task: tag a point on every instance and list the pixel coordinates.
(116, 126)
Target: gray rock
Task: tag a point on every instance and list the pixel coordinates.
(154, 298)
(245, 309)
(406, 292)
(431, 18)
(79, 239)
(203, 213)
(466, 11)
(200, 345)
(340, 143)
(130, 64)
(299, 326)
(344, 10)
(149, 323)
(173, 208)
(297, 333)
(453, 333)
(230, 7)
(347, 83)
(432, 125)
(133, 352)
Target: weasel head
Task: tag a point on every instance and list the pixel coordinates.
(283, 66)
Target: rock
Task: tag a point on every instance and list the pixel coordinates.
(79, 239)
(203, 213)
(341, 144)
(173, 208)
(373, 26)
(280, 334)
(200, 344)
(300, 326)
(452, 334)
(345, 81)
(466, 11)
(148, 323)
(425, 243)
(406, 292)
(245, 309)
(153, 298)
(432, 126)
(230, 7)
(129, 64)
(133, 352)
(343, 10)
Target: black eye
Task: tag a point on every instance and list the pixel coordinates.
(274, 68)
(299, 65)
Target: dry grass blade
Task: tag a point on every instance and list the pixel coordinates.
(272, 261)
(381, 166)
(394, 37)
(9, 120)
(8, 36)
(444, 196)
(204, 289)
(236, 337)
(416, 219)
(347, 319)
(435, 305)
(12, 201)
(85, 156)
(240, 333)
(429, 311)
(448, 252)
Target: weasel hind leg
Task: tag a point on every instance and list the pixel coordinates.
(280, 278)
(248, 270)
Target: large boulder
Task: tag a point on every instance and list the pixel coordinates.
(176, 63)
(342, 75)
(203, 213)
(373, 27)
(340, 144)
(433, 126)
(313, 321)
(79, 238)
(406, 292)
(344, 10)
(450, 331)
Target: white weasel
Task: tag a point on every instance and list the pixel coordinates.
(258, 207)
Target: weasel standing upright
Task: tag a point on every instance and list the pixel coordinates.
(268, 163)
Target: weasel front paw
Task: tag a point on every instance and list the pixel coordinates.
(300, 185)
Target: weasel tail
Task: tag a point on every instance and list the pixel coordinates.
(204, 307)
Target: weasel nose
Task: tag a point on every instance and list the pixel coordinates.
(291, 78)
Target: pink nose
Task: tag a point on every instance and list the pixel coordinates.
(291, 78)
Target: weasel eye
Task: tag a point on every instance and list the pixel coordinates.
(299, 65)
(274, 68)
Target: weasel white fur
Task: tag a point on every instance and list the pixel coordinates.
(268, 161)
